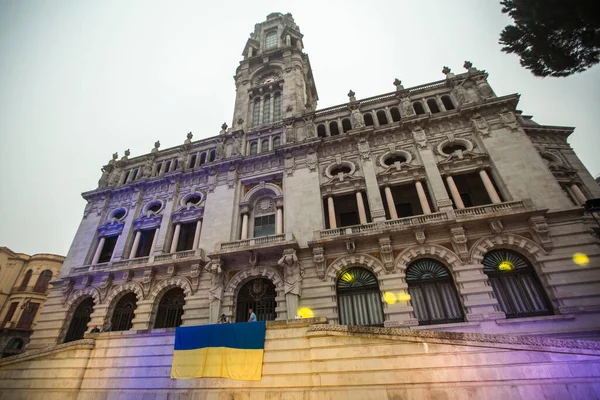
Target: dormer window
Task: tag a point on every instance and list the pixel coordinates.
(271, 40)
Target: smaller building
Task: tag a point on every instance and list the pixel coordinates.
(24, 287)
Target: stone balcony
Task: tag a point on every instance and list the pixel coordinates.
(161, 259)
(270, 241)
(438, 218)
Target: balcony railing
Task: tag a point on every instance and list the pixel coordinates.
(122, 264)
(489, 209)
(255, 242)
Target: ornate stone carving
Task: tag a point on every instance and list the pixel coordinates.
(67, 287)
(289, 132)
(387, 254)
(172, 270)
(148, 279)
(462, 95)
(351, 95)
(293, 271)
(420, 236)
(289, 164)
(459, 243)
(540, 232)
(496, 227)
(212, 181)
(357, 119)
(219, 149)
(350, 246)
(319, 260)
(231, 177)
(309, 127)
(87, 280)
(398, 84)
(195, 275)
(147, 171)
(364, 149)
(509, 120)
(311, 160)
(105, 284)
(443, 203)
(420, 137)
(217, 282)
(127, 276)
(406, 107)
(480, 125)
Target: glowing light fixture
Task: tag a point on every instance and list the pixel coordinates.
(347, 277)
(389, 297)
(581, 259)
(306, 312)
(506, 266)
(403, 297)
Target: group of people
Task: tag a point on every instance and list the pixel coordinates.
(223, 319)
(105, 327)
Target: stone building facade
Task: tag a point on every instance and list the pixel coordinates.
(24, 286)
(437, 207)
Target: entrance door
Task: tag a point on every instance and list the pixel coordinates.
(258, 294)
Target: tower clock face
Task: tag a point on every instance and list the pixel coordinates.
(268, 79)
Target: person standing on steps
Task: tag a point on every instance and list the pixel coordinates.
(252, 316)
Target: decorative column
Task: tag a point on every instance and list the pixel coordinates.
(422, 198)
(175, 238)
(489, 187)
(579, 196)
(136, 243)
(197, 234)
(244, 226)
(454, 192)
(279, 220)
(98, 250)
(327, 131)
(390, 201)
(362, 213)
(153, 246)
(331, 207)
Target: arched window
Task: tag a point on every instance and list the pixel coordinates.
(25, 280)
(256, 112)
(333, 128)
(359, 298)
(264, 217)
(516, 286)
(202, 158)
(368, 119)
(211, 155)
(276, 141)
(395, 114)
(170, 309)
(42, 283)
(267, 109)
(277, 107)
(158, 168)
(271, 40)
(433, 106)
(264, 145)
(167, 166)
(346, 125)
(321, 132)
(192, 161)
(418, 107)
(175, 164)
(382, 118)
(80, 320)
(13, 347)
(253, 148)
(432, 293)
(447, 101)
(124, 312)
(259, 295)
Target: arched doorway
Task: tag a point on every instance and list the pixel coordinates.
(124, 312)
(80, 320)
(170, 309)
(359, 298)
(258, 294)
(516, 286)
(432, 293)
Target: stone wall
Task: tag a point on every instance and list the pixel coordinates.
(304, 361)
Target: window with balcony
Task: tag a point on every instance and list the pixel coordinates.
(333, 128)
(264, 225)
(124, 312)
(187, 231)
(418, 107)
(25, 281)
(79, 321)
(516, 286)
(9, 314)
(28, 315)
(42, 283)
(433, 106)
(405, 197)
(107, 250)
(145, 244)
(432, 293)
(359, 298)
(472, 190)
(170, 309)
(346, 210)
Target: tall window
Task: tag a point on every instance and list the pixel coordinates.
(276, 141)
(145, 244)
(264, 217)
(277, 107)
(124, 312)
(80, 320)
(186, 236)
(9, 314)
(107, 250)
(258, 294)
(170, 309)
(42, 283)
(359, 298)
(516, 286)
(264, 145)
(432, 293)
(28, 316)
(267, 109)
(256, 112)
(271, 40)
(253, 148)
(25, 280)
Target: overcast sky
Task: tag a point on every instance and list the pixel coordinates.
(80, 80)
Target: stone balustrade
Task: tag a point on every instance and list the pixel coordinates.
(262, 241)
(489, 209)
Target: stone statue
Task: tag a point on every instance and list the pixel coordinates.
(126, 156)
(103, 182)
(148, 166)
(462, 95)
(357, 119)
(223, 129)
(181, 159)
(217, 281)
(309, 129)
(236, 145)
(220, 150)
(156, 146)
(398, 84)
(293, 271)
(407, 108)
(114, 159)
(351, 95)
(189, 138)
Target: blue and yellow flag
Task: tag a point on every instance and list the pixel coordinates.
(233, 351)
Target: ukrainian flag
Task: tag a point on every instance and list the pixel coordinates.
(233, 351)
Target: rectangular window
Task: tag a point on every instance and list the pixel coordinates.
(277, 107)
(158, 168)
(264, 226)
(9, 314)
(135, 172)
(267, 110)
(145, 244)
(108, 249)
(28, 316)
(186, 236)
(256, 113)
(271, 40)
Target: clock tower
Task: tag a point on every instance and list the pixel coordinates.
(274, 80)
